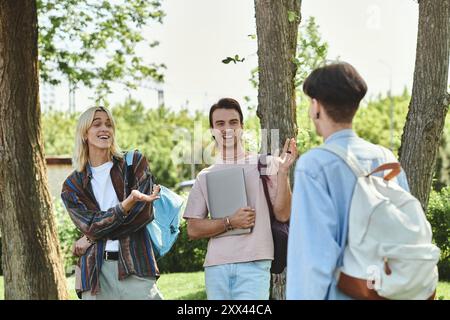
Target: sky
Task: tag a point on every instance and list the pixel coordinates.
(377, 36)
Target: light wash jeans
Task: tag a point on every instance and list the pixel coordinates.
(238, 281)
(130, 288)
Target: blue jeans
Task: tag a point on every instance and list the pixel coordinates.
(238, 281)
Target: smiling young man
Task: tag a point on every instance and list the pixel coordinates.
(120, 263)
(237, 267)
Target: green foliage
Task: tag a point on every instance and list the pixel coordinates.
(1, 265)
(372, 121)
(307, 137)
(155, 132)
(442, 177)
(186, 255)
(234, 59)
(439, 216)
(312, 51)
(59, 132)
(94, 42)
(293, 16)
(67, 235)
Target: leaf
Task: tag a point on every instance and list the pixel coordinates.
(235, 60)
(292, 16)
(228, 60)
(103, 38)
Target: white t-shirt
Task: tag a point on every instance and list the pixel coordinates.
(105, 194)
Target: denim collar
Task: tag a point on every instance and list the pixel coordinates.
(344, 133)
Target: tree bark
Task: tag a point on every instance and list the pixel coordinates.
(277, 29)
(430, 99)
(277, 43)
(31, 255)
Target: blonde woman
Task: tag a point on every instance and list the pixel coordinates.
(120, 263)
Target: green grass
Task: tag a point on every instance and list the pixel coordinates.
(443, 291)
(173, 286)
(191, 286)
(183, 286)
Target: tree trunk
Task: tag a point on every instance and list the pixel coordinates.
(31, 256)
(430, 100)
(277, 29)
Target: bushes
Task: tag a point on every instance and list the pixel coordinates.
(188, 256)
(67, 234)
(439, 216)
(185, 255)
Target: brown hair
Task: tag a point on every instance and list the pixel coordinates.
(225, 103)
(339, 88)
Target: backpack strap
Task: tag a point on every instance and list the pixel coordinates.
(262, 166)
(129, 176)
(346, 156)
(129, 158)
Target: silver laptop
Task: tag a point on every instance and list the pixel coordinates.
(226, 194)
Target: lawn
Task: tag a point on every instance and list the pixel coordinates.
(190, 286)
(173, 286)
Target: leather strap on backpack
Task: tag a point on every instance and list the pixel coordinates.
(394, 166)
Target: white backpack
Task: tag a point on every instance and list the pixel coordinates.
(389, 254)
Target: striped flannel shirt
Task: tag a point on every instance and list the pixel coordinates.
(135, 248)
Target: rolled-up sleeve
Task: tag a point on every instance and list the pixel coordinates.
(112, 223)
(94, 224)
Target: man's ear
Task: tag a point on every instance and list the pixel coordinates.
(315, 106)
(213, 133)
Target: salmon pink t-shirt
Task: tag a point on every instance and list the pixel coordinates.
(257, 245)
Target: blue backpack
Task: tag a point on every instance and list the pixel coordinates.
(164, 229)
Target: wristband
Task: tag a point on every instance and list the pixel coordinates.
(228, 225)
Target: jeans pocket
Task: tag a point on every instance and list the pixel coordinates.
(263, 264)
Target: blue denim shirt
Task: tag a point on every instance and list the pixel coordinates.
(323, 189)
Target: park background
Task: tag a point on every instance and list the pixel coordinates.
(194, 40)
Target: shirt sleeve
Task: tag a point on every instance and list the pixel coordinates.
(313, 250)
(112, 223)
(196, 204)
(96, 224)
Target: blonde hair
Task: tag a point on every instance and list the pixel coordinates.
(81, 152)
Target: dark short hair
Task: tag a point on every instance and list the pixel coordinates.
(225, 103)
(339, 88)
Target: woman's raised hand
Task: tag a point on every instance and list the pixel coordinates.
(139, 196)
